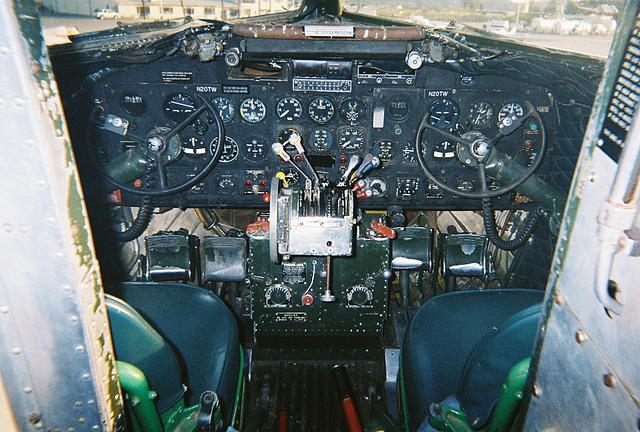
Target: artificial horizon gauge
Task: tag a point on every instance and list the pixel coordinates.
(252, 110)
(351, 140)
(509, 113)
(321, 139)
(352, 111)
(444, 150)
(230, 149)
(321, 110)
(194, 146)
(178, 107)
(289, 109)
(480, 115)
(444, 114)
(225, 108)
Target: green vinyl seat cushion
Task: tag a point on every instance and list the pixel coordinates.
(462, 345)
(187, 344)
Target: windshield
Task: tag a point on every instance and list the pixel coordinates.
(584, 26)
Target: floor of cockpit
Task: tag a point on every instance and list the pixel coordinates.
(298, 395)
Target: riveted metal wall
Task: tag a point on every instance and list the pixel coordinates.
(56, 356)
(587, 376)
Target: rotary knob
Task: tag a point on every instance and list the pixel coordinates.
(278, 296)
(359, 296)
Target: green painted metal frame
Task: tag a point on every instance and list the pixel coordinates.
(178, 417)
(504, 415)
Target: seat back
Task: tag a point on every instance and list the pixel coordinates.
(491, 360)
(136, 342)
(199, 327)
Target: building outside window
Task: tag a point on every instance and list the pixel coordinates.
(167, 10)
(143, 11)
(189, 11)
(209, 11)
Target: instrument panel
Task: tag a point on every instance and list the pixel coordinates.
(376, 113)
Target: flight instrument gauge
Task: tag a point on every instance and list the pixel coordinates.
(321, 140)
(508, 113)
(194, 146)
(444, 150)
(255, 149)
(230, 149)
(225, 108)
(252, 110)
(480, 115)
(444, 114)
(178, 107)
(321, 110)
(351, 140)
(385, 150)
(353, 111)
(289, 109)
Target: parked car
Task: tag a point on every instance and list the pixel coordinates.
(106, 14)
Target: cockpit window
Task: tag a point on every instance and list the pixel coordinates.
(582, 26)
(579, 26)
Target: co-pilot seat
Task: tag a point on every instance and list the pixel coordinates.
(459, 349)
(184, 339)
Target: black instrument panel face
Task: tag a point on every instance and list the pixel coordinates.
(370, 115)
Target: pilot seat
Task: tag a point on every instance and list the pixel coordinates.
(465, 359)
(182, 355)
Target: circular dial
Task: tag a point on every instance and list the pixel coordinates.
(360, 295)
(509, 112)
(444, 113)
(353, 111)
(255, 148)
(284, 135)
(230, 149)
(321, 110)
(225, 108)
(289, 109)
(226, 184)
(321, 139)
(194, 146)
(278, 296)
(292, 176)
(178, 107)
(385, 150)
(398, 108)
(409, 153)
(480, 115)
(351, 140)
(252, 110)
(133, 103)
(444, 150)
(378, 187)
